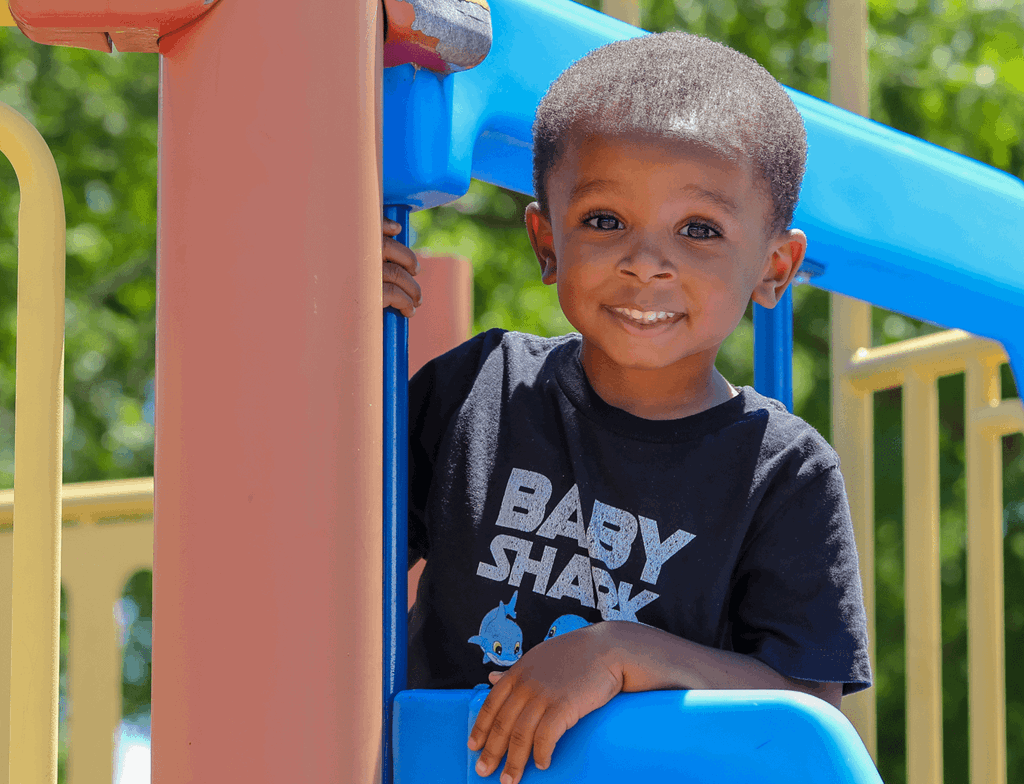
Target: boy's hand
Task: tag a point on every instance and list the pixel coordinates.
(541, 696)
(400, 290)
(563, 679)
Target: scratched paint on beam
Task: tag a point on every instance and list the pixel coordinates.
(439, 35)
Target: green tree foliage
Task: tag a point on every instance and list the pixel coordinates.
(947, 71)
(98, 114)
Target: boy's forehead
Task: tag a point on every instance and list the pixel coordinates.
(588, 155)
(686, 134)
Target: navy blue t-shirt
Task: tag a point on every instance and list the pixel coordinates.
(540, 508)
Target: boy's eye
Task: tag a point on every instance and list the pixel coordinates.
(603, 222)
(497, 648)
(699, 231)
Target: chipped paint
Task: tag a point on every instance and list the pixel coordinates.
(132, 25)
(441, 35)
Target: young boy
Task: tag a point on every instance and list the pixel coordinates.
(609, 491)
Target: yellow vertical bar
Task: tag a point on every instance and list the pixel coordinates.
(922, 579)
(852, 411)
(985, 622)
(626, 10)
(5, 647)
(94, 662)
(853, 423)
(38, 427)
(848, 66)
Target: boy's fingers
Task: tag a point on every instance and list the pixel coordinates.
(551, 728)
(488, 711)
(501, 726)
(400, 286)
(391, 228)
(393, 273)
(521, 741)
(396, 253)
(394, 297)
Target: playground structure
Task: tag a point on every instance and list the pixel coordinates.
(922, 267)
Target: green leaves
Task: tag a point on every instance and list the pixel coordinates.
(98, 114)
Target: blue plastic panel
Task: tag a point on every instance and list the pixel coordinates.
(891, 219)
(697, 737)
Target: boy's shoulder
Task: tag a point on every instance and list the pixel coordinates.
(521, 351)
(788, 443)
(506, 342)
(493, 360)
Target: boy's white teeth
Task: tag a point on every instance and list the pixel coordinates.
(647, 316)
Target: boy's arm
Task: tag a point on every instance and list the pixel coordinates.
(659, 660)
(557, 683)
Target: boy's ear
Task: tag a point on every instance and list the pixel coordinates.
(786, 254)
(543, 242)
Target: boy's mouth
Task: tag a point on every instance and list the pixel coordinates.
(646, 317)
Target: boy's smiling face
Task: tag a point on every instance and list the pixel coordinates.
(656, 247)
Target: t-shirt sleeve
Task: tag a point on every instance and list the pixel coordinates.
(797, 603)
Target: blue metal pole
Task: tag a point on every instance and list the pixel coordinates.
(773, 350)
(396, 500)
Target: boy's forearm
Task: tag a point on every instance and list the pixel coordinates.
(653, 659)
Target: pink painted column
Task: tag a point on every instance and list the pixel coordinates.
(267, 596)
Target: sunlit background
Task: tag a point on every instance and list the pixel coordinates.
(948, 71)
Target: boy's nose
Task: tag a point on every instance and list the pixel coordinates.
(647, 265)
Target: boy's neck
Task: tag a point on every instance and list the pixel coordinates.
(663, 393)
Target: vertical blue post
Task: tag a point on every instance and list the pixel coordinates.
(773, 350)
(396, 500)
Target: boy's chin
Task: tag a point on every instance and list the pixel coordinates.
(651, 360)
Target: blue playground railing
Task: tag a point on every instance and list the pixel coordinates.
(890, 219)
(697, 737)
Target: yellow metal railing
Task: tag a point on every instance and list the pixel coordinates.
(852, 414)
(38, 430)
(916, 365)
(108, 537)
(853, 418)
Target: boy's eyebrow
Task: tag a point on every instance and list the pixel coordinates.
(692, 189)
(713, 196)
(587, 187)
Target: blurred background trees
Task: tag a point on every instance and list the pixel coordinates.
(948, 71)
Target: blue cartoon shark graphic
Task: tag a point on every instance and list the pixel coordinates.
(500, 637)
(565, 623)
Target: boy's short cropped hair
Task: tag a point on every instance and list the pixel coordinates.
(679, 86)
